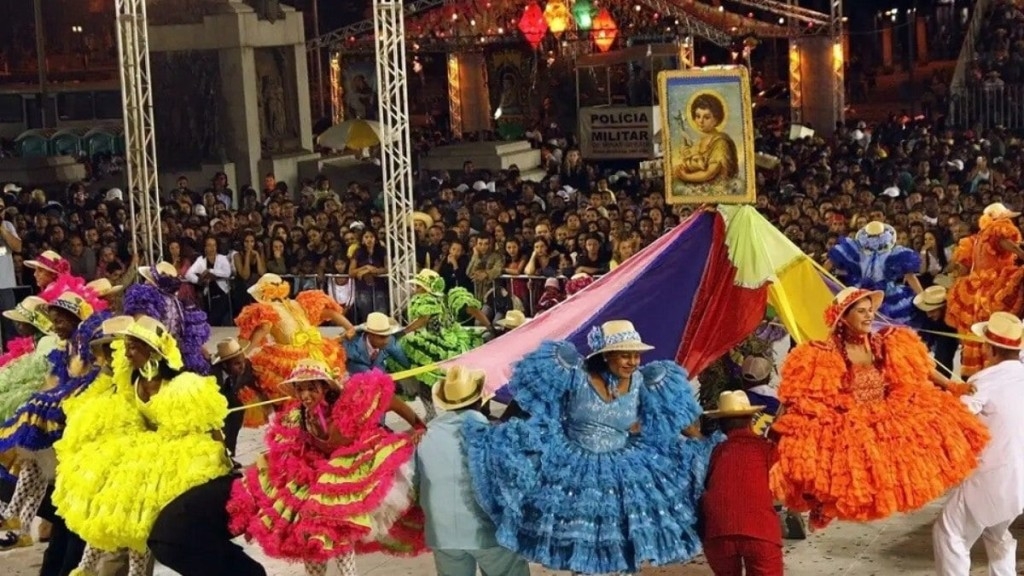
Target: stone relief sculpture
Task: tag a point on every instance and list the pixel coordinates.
(278, 111)
(186, 107)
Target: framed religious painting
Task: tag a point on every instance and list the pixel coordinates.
(707, 136)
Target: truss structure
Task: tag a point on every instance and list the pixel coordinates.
(139, 135)
(838, 60)
(396, 150)
(335, 39)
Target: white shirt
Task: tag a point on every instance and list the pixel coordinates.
(221, 271)
(8, 279)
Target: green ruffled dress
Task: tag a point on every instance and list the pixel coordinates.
(443, 337)
(24, 376)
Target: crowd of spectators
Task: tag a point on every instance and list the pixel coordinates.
(999, 52)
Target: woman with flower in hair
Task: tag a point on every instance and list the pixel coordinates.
(335, 482)
(33, 428)
(158, 298)
(873, 261)
(989, 278)
(870, 427)
(598, 479)
(284, 331)
(153, 436)
(435, 333)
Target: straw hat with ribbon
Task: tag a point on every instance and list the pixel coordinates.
(155, 335)
(31, 310)
(996, 211)
(846, 298)
(379, 324)
(270, 287)
(1003, 330)
(227, 349)
(734, 404)
(615, 336)
(932, 298)
(459, 388)
(309, 370)
(429, 280)
(104, 288)
(161, 269)
(72, 303)
(51, 262)
(422, 217)
(512, 319)
(111, 329)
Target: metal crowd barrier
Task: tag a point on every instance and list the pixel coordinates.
(981, 108)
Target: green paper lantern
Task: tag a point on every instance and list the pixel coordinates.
(583, 14)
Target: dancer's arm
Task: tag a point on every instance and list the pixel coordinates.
(416, 325)
(406, 413)
(479, 316)
(260, 334)
(338, 319)
(914, 283)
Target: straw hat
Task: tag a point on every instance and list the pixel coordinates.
(104, 288)
(512, 319)
(1003, 330)
(31, 310)
(162, 269)
(421, 217)
(460, 387)
(268, 281)
(995, 211)
(379, 324)
(732, 405)
(111, 329)
(756, 368)
(429, 280)
(874, 228)
(73, 303)
(846, 298)
(49, 261)
(309, 370)
(615, 336)
(155, 335)
(933, 298)
(227, 349)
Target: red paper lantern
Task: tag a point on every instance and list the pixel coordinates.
(532, 24)
(604, 30)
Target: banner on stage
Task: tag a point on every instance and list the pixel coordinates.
(619, 133)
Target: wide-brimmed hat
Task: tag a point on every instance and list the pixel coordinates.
(227, 349)
(429, 280)
(380, 324)
(846, 298)
(270, 287)
(734, 404)
(874, 228)
(155, 335)
(309, 370)
(31, 310)
(49, 261)
(161, 268)
(423, 217)
(459, 388)
(615, 336)
(998, 210)
(932, 298)
(74, 304)
(111, 329)
(104, 287)
(756, 368)
(1003, 330)
(512, 319)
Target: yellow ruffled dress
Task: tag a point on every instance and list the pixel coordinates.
(121, 461)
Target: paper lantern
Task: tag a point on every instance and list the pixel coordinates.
(604, 30)
(532, 24)
(557, 16)
(583, 14)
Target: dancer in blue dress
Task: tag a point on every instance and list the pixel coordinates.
(873, 261)
(598, 479)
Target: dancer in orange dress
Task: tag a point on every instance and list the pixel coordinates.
(870, 427)
(989, 281)
(283, 331)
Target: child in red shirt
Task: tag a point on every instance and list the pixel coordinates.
(740, 527)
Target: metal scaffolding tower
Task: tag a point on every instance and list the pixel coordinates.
(139, 136)
(395, 150)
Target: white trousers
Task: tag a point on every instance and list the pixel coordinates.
(955, 532)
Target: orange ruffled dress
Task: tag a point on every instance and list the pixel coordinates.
(864, 442)
(295, 336)
(993, 284)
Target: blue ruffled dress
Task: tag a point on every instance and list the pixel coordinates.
(877, 263)
(571, 488)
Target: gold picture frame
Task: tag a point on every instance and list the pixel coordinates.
(707, 133)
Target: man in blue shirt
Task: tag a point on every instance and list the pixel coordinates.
(458, 531)
(374, 344)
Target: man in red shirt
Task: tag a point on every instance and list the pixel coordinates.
(740, 527)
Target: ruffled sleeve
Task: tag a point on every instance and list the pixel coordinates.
(143, 299)
(964, 252)
(17, 348)
(667, 401)
(542, 378)
(424, 306)
(314, 303)
(460, 298)
(188, 404)
(907, 362)
(845, 255)
(364, 400)
(1003, 230)
(902, 261)
(253, 316)
(19, 380)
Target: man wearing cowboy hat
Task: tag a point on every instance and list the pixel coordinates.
(234, 372)
(932, 301)
(740, 526)
(458, 531)
(374, 344)
(992, 497)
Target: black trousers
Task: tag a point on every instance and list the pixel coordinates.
(191, 534)
(65, 549)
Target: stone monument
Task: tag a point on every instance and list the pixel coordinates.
(230, 90)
